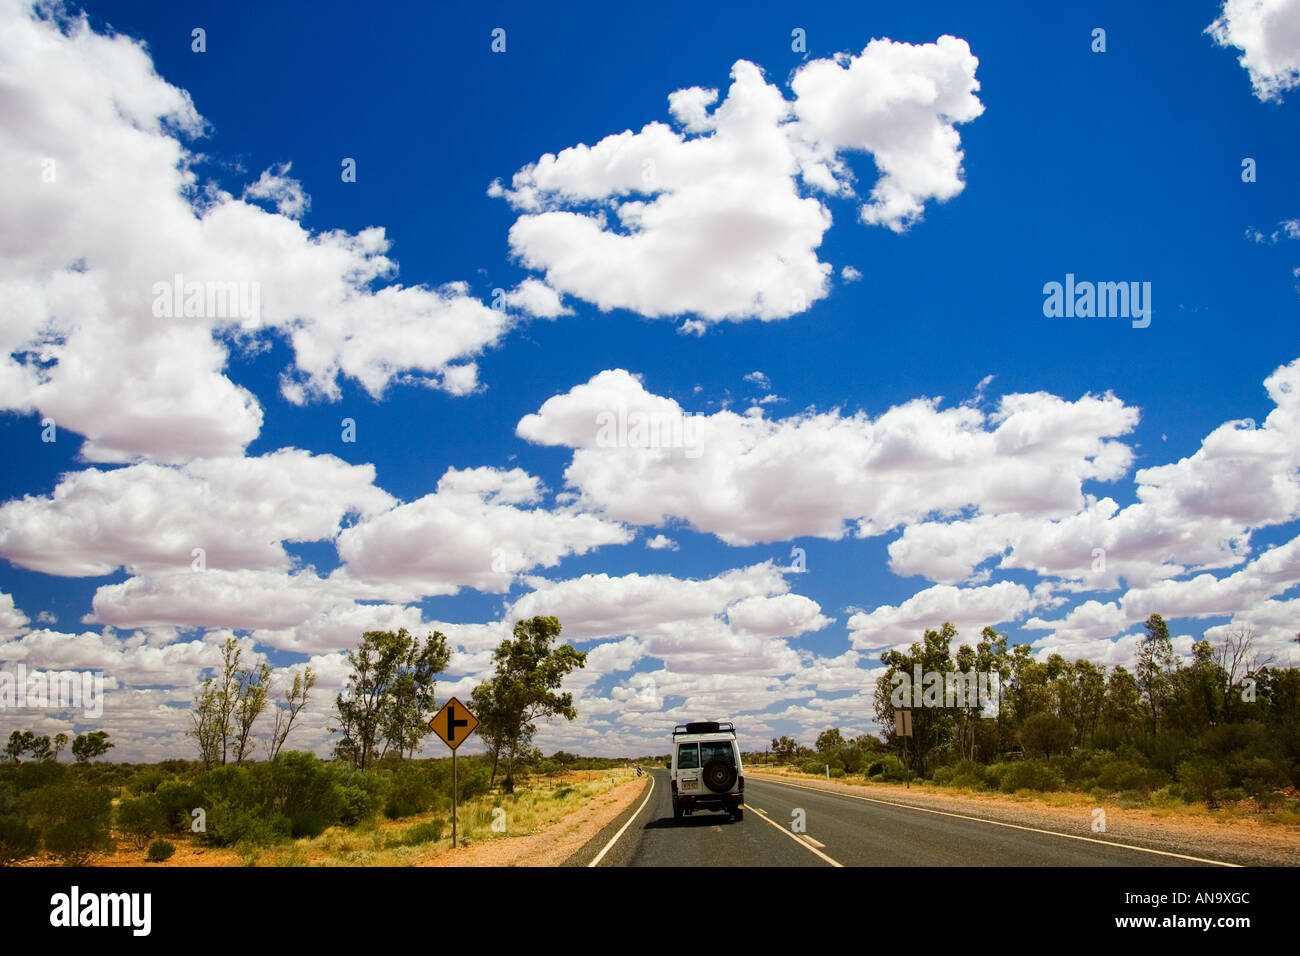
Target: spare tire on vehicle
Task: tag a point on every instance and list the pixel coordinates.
(719, 775)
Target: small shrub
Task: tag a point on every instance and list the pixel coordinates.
(1203, 778)
(413, 790)
(75, 840)
(968, 781)
(887, 768)
(160, 850)
(1230, 795)
(1128, 775)
(230, 825)
(421, 833)
(18, 840)
(177, 798)
(943, 776)
(1168, 797)
(74, 818)
(306, 823)
(1029, 775)
(141, 818)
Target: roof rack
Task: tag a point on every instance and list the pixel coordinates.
(705, 727)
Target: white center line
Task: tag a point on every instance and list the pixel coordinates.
(999, 823)
(811, 849)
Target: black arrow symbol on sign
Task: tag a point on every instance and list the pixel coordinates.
(453, 723)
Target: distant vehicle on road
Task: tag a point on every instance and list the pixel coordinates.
(705, 769)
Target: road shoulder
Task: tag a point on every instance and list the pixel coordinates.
(619, 853)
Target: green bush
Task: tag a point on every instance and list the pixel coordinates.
(18, 840)
(1174, 795)
(160, 850)
(74, 840)
(421, 833)
(228, 824)
(837, 772)
(177, 798)
(1029, 775)
(306, 823)
(1128, 775)
(142, 818)
(969, 781)
(232, 785)
(360, 794)
(74, 818)
(943, 776)
(887, 768)
(412, 789)
(1230, 795)
(1203, 777)
(297, 783)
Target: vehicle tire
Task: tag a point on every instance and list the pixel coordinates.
(738, 814)
(719, 776)
(677, 814)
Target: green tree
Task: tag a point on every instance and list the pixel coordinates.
(1044, 734)
(932, 723)
(1155, 659)
(388, 694)
(784, 748)
(88, 746)
(524, 688)
(20, 741)
(1121, 711)
(60, 744)
(41, 748)
(227, 707)
(295, 697)
(250, 700)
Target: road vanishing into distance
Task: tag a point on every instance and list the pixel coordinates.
(841, 830)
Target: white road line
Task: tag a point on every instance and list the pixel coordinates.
(811, 849)
(601, 855)
(999, 823)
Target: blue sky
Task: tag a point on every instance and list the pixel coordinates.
(917, 193)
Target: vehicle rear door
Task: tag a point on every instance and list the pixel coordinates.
(688, 769)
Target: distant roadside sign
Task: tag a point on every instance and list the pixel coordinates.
(453, 723)
(902, 723)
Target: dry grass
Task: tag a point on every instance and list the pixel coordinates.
(537, 804)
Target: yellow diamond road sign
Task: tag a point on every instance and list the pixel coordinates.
(454, 723)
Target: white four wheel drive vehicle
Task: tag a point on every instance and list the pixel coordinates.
(705, 769)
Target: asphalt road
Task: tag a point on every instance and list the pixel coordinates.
(839, 830)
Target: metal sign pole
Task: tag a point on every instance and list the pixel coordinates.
(452, 731)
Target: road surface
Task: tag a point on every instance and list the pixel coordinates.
(840, 830)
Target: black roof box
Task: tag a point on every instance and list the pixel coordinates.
(705, 727)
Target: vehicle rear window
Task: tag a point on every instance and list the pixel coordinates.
(688, 757)
(720, 750)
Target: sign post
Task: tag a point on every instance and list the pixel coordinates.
(452, 725)
(903, 730)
